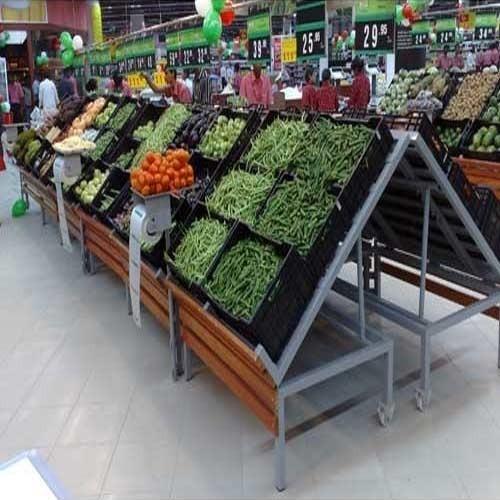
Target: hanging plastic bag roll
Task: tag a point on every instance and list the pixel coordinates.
(63, 223)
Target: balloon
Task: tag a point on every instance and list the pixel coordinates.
(399, 14)
(227, 14)
(39, 60)
(5, 107)
(212, 27)
(19, 208)
(77, 42)
(66, 40)
(203, 7)
(407, 11)
(218, 5)
(67, 57)
(44, 54)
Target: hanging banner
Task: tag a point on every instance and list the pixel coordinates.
(259, 36)
(446, 31)
(374, 26)
(92, 59)
(194, 49)
(143, 54)
(310, 30)
(35, 11)
(173, 45)
(420, 32)
(486, 26)
(288, 49)
(79, 66)
(121, 59)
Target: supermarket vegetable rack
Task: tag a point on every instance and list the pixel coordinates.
(264, 385)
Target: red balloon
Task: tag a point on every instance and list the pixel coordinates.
(408, 11)
(227, 14)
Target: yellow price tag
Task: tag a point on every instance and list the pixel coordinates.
(289, 50)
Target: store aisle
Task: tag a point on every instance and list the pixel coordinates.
(94, 395)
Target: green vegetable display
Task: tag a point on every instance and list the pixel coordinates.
(144, 131)
(86, 191)
(123, 161)
(122, 115)
(164, 132)
(219, 140)
(450, 135)
(330, 151)
(33, 149)
(486, 140)
(239, 195)
(243, 276)
(102, 144)
(198, 248)
(278, 146)
(295, 214)
(23, 141)
(103, 117)
(492, 111)
(107, 199)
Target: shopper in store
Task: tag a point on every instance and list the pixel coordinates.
(67, 85)
(493, 54)
(458, 58)
(309, 97)
(237, 79)
(36, 89)
(91, 87)
(16, 98)
(327, 100)
(176, 89)
(444, 60)
(360, 90)
(28, 99)
(47, 96)
(256, 88)
(118, 85)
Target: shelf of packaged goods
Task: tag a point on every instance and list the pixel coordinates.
(481, 173)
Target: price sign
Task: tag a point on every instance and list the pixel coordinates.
(193, 48)
(310, 30)
(420, 33)
(288, 50)
(374, 27)
(446, 31)
(259, 36)
(173, 45)
(486, 27)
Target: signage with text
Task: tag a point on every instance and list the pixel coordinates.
(194, 49)
(446, 31)
(173, 46)
(486, 27)
(259, 36)
(310, 30)
(420, 33)
(374, 26)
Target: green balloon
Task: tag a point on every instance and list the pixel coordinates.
(67, 57)
(212, 27)
(19, 208)
(218, 5)
(399, 14)
(66, 40)
(39, 60)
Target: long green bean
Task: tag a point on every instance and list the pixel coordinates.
(243, 276)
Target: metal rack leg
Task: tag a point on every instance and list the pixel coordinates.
(279, 448)
(361, 291)
(127, 298)
(425, 242)
(44, 216)
(175, 343)
(386, 407)
(188, 362)
(499, 341)
(423, 393)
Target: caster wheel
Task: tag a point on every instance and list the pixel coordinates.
(385, 414)
(422, 399)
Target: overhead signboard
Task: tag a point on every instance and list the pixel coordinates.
(259, 36)
(310, 30)
(446, 31)
(420, 32)
(173, 47)
(374, 26)
(486, 26)
(194, 49)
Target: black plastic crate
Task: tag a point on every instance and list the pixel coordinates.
(117, 180)
(124, 145)
(468, 139)
(489, 217)
(282, 306)
(87, 175)
(465, 190)
(126, 125)
(146, 113)
(446, 124)
(115, 100)
(186, 215)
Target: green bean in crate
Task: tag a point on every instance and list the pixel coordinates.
(242, 277)
(198, 248)
(295, 214)
(221, 137)
(277, 146)
(102, 144)
(117, 122)
(239, 195)
(331, 150)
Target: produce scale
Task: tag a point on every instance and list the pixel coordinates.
(266, 209)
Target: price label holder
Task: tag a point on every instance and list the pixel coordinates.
(446, 31)
(259, 36)
(374, 27)
(66, 169)
(310, 30)
(420, 33)
(150, 217)
(486, 26)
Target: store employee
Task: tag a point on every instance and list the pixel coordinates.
(360, 91)
(444, 61)
(256, 88)
(175, 89)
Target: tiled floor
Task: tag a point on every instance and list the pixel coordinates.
(94, 395)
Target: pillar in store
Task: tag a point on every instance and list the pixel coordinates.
(95, 32)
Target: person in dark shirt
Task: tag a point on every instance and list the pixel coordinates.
(309, 97)
(361, 92)
(66, 86)
(328, 101)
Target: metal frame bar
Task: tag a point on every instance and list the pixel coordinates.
(425, 245)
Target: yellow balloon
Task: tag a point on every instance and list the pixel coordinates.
(96, 20)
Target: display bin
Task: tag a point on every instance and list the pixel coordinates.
(182, 136)
(110, 98)
(88, 158)
(69, 117)
(282, 306)
(495, 92)
(122, 130)
(149, 112)
(478, 155)
(489, 217)
(462, 124)
(117, 180)
(124, 145)
(465, 190)
(186, 216)
(40, 159)
(87, 174)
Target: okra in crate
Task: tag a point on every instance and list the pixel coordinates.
(258, 287)
(122, 155)
(195, 242)
(116, 182)
(144, 123)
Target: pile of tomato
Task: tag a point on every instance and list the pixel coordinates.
(162, 173)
